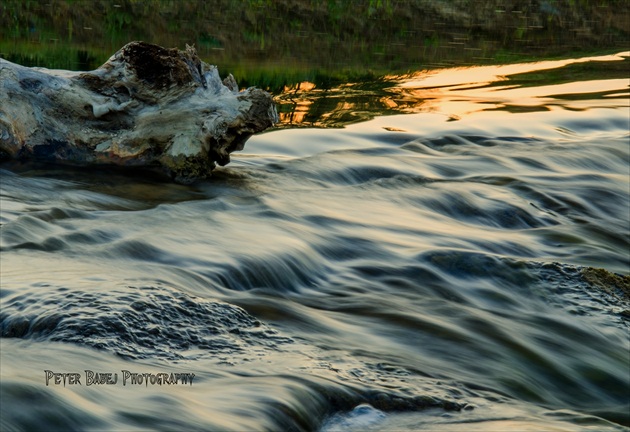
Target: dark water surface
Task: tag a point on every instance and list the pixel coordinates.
(460, 263)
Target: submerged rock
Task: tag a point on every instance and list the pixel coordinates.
(146, 106)
(139, 323)
(613, 284)
(362, 417)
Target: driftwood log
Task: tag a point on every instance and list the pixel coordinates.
(147, 106)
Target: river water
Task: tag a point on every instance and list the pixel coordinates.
(456, 258)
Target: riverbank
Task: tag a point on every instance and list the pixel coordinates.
(288, 39)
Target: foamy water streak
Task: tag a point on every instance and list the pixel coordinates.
(405, 273)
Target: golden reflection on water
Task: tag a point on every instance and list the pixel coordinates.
(297, 115)
(462, 77)
(519, 99)
(454, 92)
(301, 105)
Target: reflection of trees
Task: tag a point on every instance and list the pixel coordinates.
(307, 105)
(61, 58)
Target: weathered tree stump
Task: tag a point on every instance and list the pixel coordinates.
(147, 106)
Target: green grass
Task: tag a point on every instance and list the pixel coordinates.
(271, 44)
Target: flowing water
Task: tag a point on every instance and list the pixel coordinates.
(455, 257)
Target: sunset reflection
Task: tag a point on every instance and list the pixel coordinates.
(457, 92)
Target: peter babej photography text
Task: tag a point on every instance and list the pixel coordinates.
(125, 378)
